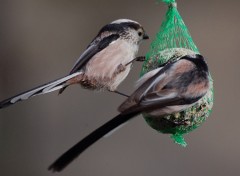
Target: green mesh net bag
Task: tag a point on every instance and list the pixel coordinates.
(172, 41)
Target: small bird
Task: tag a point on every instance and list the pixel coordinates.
(172, 88)
(102, 66)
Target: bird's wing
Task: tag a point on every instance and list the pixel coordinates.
(144, 84)
(147, 76)
(95, 47)
(162, 89)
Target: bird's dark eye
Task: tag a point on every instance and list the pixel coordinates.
(140, 33)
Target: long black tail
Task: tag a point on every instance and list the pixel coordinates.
(77, 149)
(43, 89)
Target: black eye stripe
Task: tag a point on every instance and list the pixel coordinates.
(112, 28)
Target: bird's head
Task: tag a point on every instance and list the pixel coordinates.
(127, 29)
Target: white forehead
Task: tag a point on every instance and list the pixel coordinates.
(123, 21)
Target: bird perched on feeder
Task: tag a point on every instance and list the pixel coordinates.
(102, 66)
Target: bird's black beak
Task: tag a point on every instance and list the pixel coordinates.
(145, 36)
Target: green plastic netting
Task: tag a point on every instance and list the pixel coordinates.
(172, 41)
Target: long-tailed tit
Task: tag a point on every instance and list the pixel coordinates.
(102, 66)
(172, 88)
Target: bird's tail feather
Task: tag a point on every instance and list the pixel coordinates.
(86, 142)
(43, 89)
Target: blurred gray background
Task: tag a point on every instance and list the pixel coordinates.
(41, 40)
